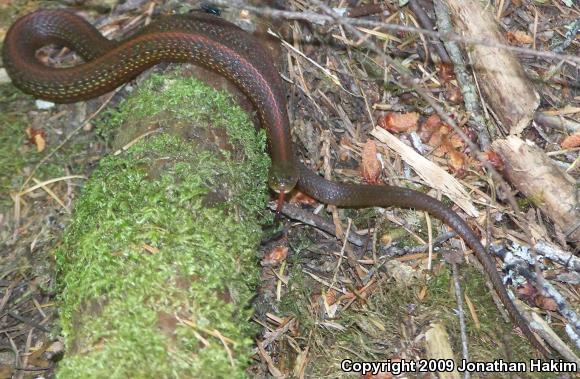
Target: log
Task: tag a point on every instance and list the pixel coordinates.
(157, 267)
(551, 189)
(500, 75)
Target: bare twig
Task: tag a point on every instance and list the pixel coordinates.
(520, 265)
(318, 18)
(468, 90)
(426, 23)
(399, 251)
(338, 264)
(461, 314)
(557, 122)
(560, 256)
(309, 218)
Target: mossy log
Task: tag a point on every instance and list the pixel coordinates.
(157, 267)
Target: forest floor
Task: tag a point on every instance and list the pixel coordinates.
(321, 299)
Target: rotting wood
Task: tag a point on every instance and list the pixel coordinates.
(532, 172)
(500, 75)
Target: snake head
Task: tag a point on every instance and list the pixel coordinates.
(282, 178)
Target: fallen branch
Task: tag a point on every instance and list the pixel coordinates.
(532, 172)
(500, 75)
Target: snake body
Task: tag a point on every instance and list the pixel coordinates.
(220, 46)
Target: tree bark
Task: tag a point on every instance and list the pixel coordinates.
(552, 190)
(499, 74)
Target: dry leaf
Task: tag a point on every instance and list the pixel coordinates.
(439, 140)
(386, 239)
(345, 141)
(37, 138)
(495, 160)
(455, 141)
(428, 127)
(38, 358)
(519, 37)
(439, 135)
(446, 72)
(275, 256)
(344, 149)
(150, 249)
(472, 311)
(350, 296)
(457, 162)
(331, 297)
(571, 141)
(39, 142)
(530, 294)
(423, 293)
(298, 197)
(546, 303)
(370, 166)
(452, 93)
(526, 291)
(399, 122)
(329, 303)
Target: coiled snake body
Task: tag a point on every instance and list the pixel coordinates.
(218, 45)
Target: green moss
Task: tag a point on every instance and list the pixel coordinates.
(365, 216)
(174, 103)
(295, 300)
(526, 203)
(153, 271)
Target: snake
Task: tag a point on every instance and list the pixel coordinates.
(222, 47)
